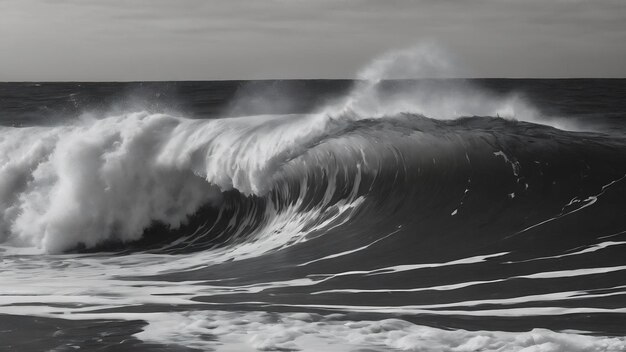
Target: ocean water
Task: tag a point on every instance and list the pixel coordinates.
(372, 215)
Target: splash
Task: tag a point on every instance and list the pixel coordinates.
(421, 80)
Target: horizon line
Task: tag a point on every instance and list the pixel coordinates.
(316, 79)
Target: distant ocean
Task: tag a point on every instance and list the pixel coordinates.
(314, 215)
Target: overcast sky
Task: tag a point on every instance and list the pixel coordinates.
(116, 40)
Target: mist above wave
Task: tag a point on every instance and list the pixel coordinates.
(430, 89)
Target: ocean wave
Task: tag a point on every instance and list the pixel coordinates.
(112, 180)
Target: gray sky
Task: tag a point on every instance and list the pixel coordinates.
(250, 39)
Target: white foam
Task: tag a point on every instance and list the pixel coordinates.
(111, 178)
(261, 331)
(341, 254)
(582, 204)
(587, 249)
(249, 331)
